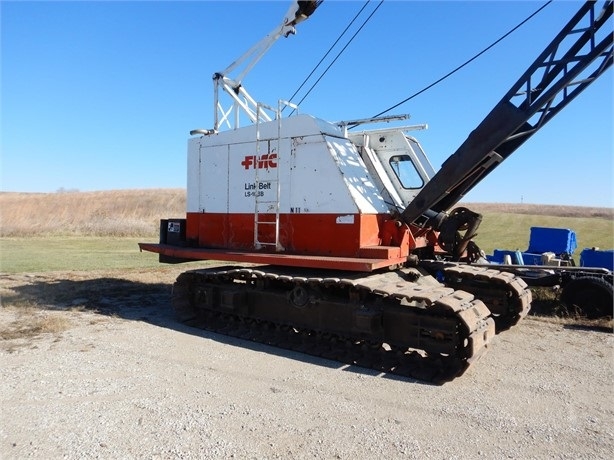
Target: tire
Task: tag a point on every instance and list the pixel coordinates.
(590, 296)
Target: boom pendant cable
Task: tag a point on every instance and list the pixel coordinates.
(465, 63)
(329, 50)
(340, 52)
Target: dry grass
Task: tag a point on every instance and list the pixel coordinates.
(542, 209)
(32, 321)
(32, 305)
(24, 317)
(546, 306)
(109, 213)
(137, 212)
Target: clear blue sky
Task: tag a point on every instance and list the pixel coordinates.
(102, 95)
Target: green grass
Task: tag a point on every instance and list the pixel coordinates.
(38, 254)
(51, 253)
(512, 231)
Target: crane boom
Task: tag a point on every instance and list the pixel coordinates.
(299, 11)
(579, 54)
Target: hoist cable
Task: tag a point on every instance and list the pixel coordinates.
(465, 63)
(340, 52)
(329, 50)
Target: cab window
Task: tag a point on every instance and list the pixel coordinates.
(406, 172)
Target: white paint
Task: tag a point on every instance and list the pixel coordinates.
(349, 219)
(319, 171)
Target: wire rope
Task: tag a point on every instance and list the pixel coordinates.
(329, 50)
(340, 52)
(465, 63)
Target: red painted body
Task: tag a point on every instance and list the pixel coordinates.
(313, 234)
(369, 243)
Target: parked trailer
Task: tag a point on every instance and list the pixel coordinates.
(548, 262)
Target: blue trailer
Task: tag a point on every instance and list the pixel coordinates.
(548, 261)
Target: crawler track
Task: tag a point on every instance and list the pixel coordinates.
(506, 295)
(396, 322)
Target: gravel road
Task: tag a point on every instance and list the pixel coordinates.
(119, 378)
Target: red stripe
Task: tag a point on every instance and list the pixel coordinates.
(312, 234)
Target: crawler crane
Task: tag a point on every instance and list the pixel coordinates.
(343, 243)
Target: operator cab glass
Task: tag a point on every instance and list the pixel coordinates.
(406, 172)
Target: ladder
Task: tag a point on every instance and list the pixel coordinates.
(267, 207)
(267, 189)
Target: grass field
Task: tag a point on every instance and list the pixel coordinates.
(53, 253)
(100, 230)
(114, 213)
(501, 230)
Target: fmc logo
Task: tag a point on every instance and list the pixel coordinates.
(268, 160)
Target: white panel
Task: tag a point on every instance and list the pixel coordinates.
(316, 183)
(296, 126)
(214, 179)
(317, 173)
(193, 179)
(253, 173)
(356, 176)
(397, 143)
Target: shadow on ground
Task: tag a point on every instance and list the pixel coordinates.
(571, 319)
(150, 303)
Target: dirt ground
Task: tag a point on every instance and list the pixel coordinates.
(94, 365)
